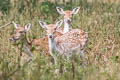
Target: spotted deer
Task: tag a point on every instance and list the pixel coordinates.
(69, 43)
(68, 14)
(20, 34)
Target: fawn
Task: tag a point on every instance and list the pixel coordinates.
(20, 34)
(69, 43)
(67, 18)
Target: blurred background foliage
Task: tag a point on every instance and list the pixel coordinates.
(5, 6)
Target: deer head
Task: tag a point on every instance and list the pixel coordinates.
(68, 14)
(19, 31)
(51, 28)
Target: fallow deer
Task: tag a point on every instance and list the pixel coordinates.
(71, 42)
(68, 14)
(20, 34)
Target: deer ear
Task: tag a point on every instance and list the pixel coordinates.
(59, 23)
(15, 25)
(60, 10)
(75, 10)
(27, 27)
(43, 24)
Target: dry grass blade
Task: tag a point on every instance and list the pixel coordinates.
(5, 25)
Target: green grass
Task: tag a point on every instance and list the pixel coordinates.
(101, 21)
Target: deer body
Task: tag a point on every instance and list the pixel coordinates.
(41, 43)
(73, 41)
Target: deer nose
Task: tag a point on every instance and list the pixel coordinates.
(69, 20)
(50, 36)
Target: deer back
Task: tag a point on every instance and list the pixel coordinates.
(71, 40)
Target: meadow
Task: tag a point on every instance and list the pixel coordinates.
(100, 19)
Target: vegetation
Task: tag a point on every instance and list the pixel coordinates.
(100, 19)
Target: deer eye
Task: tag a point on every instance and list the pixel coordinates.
(21, 32)
(55, 28)
(54, 32)
(71, 14)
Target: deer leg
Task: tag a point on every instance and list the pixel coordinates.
(54, 57)
(83, 58)
(29, 53)
(27, 50)
(82, 55)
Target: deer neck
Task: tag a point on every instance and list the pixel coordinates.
(51, 44)
(25, 41)
(26, 45)
(66, 27)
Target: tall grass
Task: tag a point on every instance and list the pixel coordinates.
(100, 20)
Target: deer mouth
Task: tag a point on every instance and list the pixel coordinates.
(13, 39)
